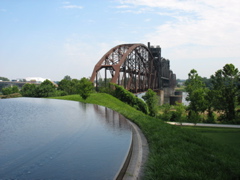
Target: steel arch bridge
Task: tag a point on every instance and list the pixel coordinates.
(136, 67)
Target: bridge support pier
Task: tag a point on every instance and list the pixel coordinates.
(160, 94)
(168, 96)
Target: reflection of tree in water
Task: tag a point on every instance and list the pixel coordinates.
(112, 118)
(83, 106)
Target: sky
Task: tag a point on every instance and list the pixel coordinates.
(55, 38)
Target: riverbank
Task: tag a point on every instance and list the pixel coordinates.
(10, 96)
(175, 153)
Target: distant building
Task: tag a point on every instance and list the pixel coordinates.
(36, 79)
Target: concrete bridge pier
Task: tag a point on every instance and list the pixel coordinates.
(160, 94)
(168, 96)
(177, 97)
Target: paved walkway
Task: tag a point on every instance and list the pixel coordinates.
(206, 125)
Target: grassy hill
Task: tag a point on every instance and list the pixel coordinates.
(175, 152)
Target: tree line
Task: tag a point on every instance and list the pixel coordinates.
(221, 95)
(66, 86)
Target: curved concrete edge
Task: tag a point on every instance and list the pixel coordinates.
(120, 174)
(138, 154)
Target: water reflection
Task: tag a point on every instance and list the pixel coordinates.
(113, 119)
(55, 139)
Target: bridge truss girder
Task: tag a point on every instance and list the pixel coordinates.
(130, 65)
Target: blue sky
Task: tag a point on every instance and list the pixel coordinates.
(54, 38)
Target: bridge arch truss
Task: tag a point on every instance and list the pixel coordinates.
(129, 65)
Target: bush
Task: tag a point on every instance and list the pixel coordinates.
(174, 116)
(7, 90)
(151, 99)
(180, 112)
(85, 88)
(210, 118)
(28, 90)
(45, 89)
(129, 98)
(193, 117)
(167, 113)
(70, 86)
(108, 89)
(60, 93)
(10, 90)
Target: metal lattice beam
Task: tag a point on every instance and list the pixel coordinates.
(133, 67)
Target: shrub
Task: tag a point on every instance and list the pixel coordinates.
(129, 98)
(28, 90)
(193, 117)
(180, 112)
(46, 89)
(210, 118)
(167, 113)
(7, 90)
(85, 88)
(10, 90)
(151, 99)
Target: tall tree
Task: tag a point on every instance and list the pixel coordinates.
(196, 92)
(225, 86)
(67, 77)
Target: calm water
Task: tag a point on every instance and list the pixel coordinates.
(56, 139)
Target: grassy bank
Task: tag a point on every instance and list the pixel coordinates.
(223, 136)
(175, 152)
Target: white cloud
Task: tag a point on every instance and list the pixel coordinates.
(203, 23)
(147, 20)
(72, 7)
(122, 6)
(65, 2)
(198, 31)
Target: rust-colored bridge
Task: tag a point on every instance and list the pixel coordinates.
(136, 67)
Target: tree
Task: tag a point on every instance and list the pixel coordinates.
(46, 89)
(196, 94)
(67, 77)
(65, 85)
(207, 82)
(69, 86)
(85, 88)
(180, 112)
(74, 86)
(4, 79)
(15, 89)
(7, 90)
(28, 90)
(152, 102)
(225, 87)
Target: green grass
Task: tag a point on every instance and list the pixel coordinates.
(223, 136)
(175, 152)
